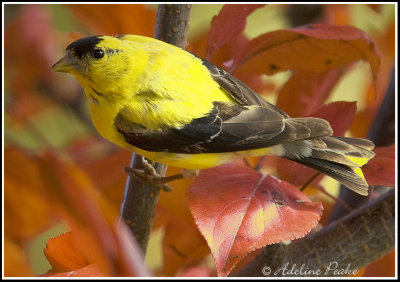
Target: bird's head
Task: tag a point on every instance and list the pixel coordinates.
(101, 62)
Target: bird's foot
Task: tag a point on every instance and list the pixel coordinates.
(150, 176)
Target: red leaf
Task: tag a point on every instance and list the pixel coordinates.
(296, 174)
(239, 210)
(230, 22)
(63, 254)
(182, 249)
(257, 83)
(362, 121)
(380, 171)
(306, 91)
(225, 53)
(316, 47)
(339, 114)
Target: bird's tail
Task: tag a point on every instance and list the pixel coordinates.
(337, 157)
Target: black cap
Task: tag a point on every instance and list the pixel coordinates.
(84, 45)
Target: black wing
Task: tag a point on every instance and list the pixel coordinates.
(237, 89)
(228, 127)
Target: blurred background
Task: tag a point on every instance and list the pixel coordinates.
(43, 109)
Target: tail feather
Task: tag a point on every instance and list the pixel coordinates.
(339, 158)
(348, 176)
(358, 142)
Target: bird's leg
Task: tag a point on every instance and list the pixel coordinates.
(149, 175)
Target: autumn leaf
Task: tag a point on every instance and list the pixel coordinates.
(239, 210)
(95, 228)
(340, 115)
(362, 122)
(314, 47)
(257, 83)
(297, 174)
(305, 91)
(182, 249)
(229, 22)
(114, 19)
(63, 255)
(23, 187)
(381, 170)
(224, 54)
(107, 171)
(174, 203)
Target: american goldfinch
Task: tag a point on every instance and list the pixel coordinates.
(173, 107)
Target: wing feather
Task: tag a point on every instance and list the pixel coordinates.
(229, 127)
(237, 89)
(251, 123)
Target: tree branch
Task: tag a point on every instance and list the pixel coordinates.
(353, 242)
(140, 199)
(172, 23)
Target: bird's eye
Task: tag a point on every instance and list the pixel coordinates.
(98, 53)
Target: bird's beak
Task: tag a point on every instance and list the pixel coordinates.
(69, 63)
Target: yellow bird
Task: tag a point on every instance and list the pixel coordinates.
(173, 107)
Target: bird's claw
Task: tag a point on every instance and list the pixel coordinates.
(150, 177)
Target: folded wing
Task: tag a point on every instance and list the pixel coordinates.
(229, 127)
